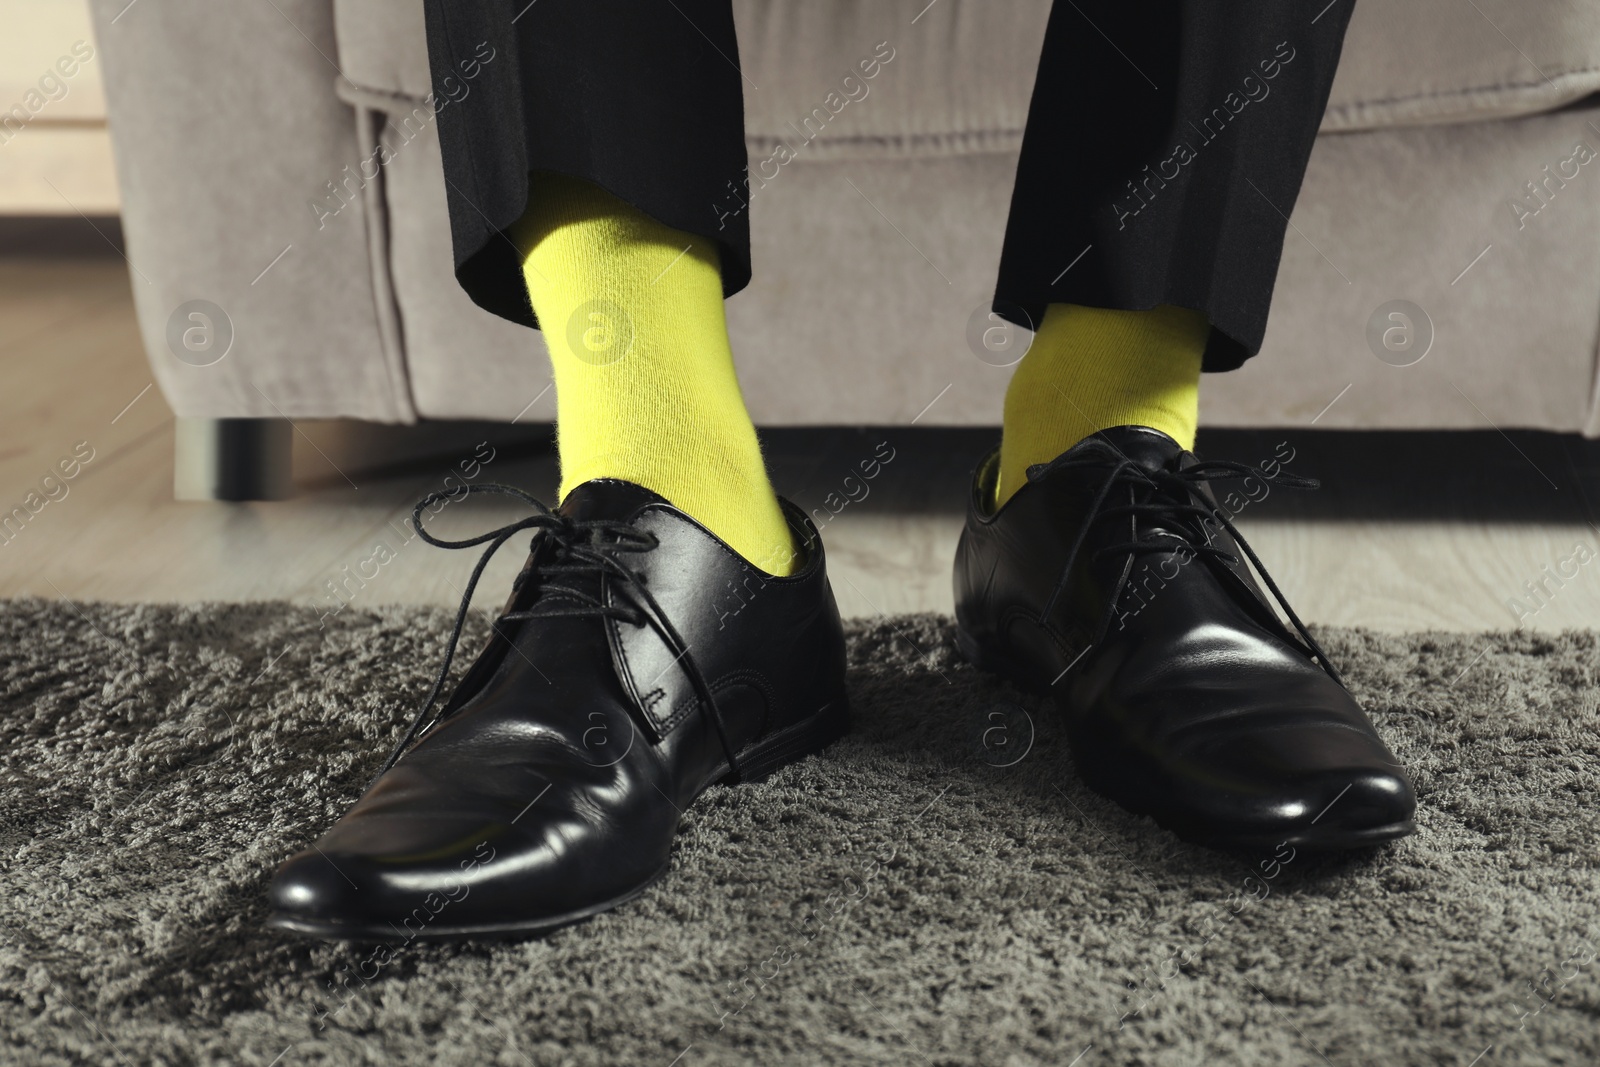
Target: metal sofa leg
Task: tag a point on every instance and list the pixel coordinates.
(232, 459)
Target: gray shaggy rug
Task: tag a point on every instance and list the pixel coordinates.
(936, 889)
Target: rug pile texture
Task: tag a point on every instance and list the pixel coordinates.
(938, 888)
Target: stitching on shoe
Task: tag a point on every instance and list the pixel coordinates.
(649, 701)
(744, 675)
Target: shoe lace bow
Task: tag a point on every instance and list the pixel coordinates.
(1173, 500)
(571, 548)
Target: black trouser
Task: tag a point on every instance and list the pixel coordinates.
(1166, 137)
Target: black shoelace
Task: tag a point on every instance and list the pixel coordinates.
(580, 547)
(1176, 503)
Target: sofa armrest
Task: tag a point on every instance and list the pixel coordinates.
(227, 134)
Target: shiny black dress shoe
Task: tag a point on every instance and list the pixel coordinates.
(638, 662)
(1114, 582)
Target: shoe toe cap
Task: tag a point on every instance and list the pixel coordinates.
(313, 886)
(1319, 774)
(370, 876)
(1327, 810)
(1358, 801)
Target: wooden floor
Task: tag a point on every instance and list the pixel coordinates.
(1412, 531)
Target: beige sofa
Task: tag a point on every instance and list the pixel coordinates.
(237, 136)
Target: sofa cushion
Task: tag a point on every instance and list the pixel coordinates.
(961, 71)
(1417, 62)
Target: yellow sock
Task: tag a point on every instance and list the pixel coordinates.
(645, 386)
(1091, 369)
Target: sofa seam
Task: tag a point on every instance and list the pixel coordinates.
(1476, 90)
(386, 304)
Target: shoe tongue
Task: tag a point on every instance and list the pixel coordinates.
(607, 498)
(602, 498)
(1152, 450)
(1149, 448)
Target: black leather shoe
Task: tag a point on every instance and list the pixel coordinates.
(638, 661)
(1112, 581)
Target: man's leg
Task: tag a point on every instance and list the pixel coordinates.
(645, 384)
(1093, 368)
(1165, 145)
(594, 167)
(1166, 142)
(1163, 154)
(673, 626)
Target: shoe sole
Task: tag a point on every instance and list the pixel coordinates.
(1123, 789)
(388, 933)
(757, 763)
(1314, 841)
